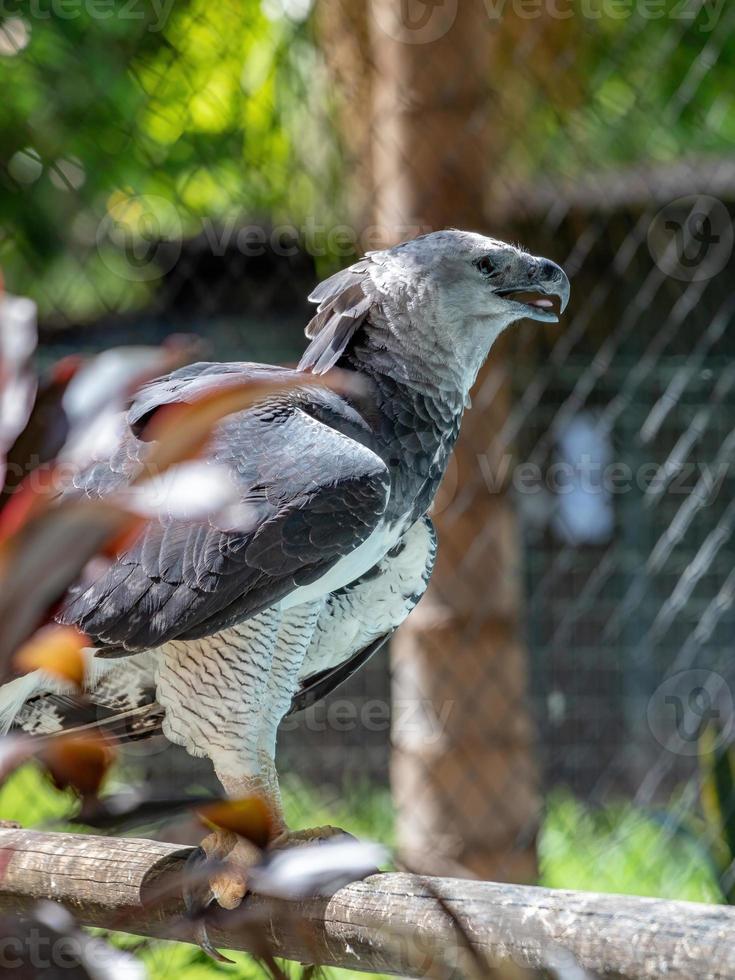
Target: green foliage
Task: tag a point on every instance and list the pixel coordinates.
(221, 112)
(627, 83)
(201, 108)
(29, 798)
(363, 810)
(622, 849)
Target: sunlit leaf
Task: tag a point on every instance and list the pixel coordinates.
(188, 492)
(58, 650)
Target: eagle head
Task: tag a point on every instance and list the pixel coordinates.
(440, 300)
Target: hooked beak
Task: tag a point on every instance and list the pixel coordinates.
(546, 278)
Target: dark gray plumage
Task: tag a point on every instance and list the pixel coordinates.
(313, 493)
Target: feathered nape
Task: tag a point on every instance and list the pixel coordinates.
(343, 308)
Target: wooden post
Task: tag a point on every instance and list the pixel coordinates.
(464, 779)
(389, 923)
(343, 30)
(431, 134)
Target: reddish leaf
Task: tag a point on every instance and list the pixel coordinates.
(78, 762)
(41, 560)
(45, 432)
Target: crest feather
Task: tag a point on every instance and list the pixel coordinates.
(343, 308)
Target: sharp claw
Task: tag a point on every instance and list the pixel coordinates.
(198, 899)
(205, 944)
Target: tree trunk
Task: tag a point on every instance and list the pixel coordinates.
(343, 30)
(463, 771)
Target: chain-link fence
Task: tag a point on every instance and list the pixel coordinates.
(196, 168)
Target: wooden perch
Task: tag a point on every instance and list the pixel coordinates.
(389, 923)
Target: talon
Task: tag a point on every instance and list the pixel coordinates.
(314, 835)
(198, 896)
(217, 872)
(205, 944)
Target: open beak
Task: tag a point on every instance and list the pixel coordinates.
(545, 294)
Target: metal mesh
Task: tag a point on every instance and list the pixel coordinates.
(198, 167)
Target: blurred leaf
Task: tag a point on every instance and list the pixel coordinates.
(17, 380)
(58, 650)
(46, 430)
(78, 762)
(190, 491)
(321, 868)
(15, 750)
(181, 430)
(249, 818)
(43, 558)
(135, 807)
(717, 794)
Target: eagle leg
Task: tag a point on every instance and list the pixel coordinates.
(217, 871)
(314, 835)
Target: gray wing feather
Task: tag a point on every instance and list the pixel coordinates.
(312, 495)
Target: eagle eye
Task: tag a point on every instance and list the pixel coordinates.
(486, 265)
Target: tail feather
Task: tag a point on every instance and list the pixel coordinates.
(118, 699)
(16, 694)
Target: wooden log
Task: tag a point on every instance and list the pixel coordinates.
(395, 923)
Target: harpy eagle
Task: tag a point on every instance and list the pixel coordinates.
(223, 631)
